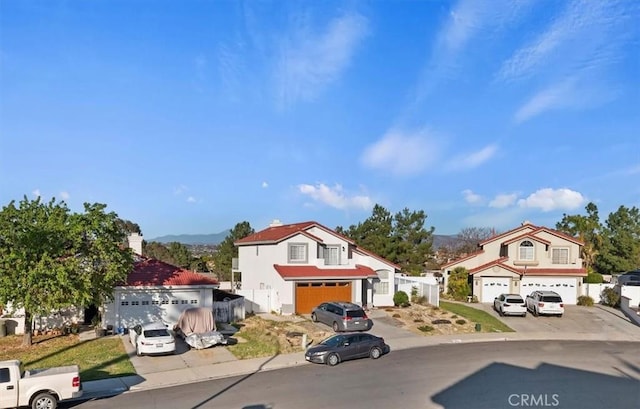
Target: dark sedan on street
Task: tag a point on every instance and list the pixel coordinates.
(343, 347)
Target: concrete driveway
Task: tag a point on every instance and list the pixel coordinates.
(576, 320)
(183, 358)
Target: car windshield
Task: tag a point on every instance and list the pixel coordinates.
(551, 298)
(333, 341)
(355, 313)
(153, 333)
(515, 300)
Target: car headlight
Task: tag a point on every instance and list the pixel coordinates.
(317, 353)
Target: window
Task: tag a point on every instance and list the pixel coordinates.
(174, 302)
(145, 302)
(560, 256)
(124, 303)
(194, 301)
(297, 253)
(184, 302)
(4, 375)
(135, 302)
(155, 302)
(526, 251)
(164, 302)
(381, 287)
(332, 255)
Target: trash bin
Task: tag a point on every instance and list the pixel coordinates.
(478, 327)
(3, 328)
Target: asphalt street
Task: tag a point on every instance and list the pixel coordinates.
(560, 374)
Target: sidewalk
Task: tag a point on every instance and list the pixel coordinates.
(401, 340)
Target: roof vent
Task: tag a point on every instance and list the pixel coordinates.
(275, 223)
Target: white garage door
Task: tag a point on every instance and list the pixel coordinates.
(493, 287)
(166, 306)
(566, 287)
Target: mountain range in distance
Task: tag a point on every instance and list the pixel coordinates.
(439, 240)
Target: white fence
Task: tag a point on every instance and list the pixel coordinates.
(594, 290)
(257, 301)
(630, 310)
(424, 287)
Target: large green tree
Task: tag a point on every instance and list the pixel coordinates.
(227, 251)
(51, 258)
(400, 238)
(621, 242)
(587, 229)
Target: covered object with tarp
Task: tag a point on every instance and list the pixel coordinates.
(198, 327)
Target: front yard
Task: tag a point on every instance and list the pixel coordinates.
(98, 358)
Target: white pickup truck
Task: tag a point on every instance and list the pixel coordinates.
(37, 388)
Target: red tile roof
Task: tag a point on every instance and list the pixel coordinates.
(534, 231)
(152, 272)
(528, 235)
(309, 272)
(274, 234)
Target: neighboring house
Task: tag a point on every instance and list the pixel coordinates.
(523, 260)
(293, 268)
(155, 290)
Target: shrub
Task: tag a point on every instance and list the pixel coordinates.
(425, 328)
(440, 321)
(454, 316)
(418, 320)
(414, 293)
(396, 315)
(610, 297)
(461, 322)
(593, 278)
(422, 300)
(458, 284)
(585, 300)
(401, 299)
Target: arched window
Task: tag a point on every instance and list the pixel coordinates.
(526, 250)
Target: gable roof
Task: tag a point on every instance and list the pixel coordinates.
(533, 230)
(276, 234)
(525, 272)
(528, 235)
(313, 272)
(152, 272)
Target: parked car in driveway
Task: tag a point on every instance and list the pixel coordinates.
(545, 303)
(510, 304)
(152, 339)
(341, 316)
(342, 347)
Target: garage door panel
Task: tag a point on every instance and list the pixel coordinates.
(310, 295)
(143, 307)
(565, 287)
(493, 287)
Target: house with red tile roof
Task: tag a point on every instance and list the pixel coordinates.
(291, 268)
(523, 260)
(156, 291)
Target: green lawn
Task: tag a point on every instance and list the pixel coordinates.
(486, 321)
(98, 359)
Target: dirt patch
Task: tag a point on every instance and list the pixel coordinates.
(287, 333)
(428, 320)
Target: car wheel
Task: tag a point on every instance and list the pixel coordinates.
(313, 317)
(375, 353)
(44, 401)
(336, 328)
(138, 351)
(559, 315)
(500, 312)
(333, 360)
(535, 312)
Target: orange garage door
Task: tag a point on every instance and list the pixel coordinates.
(309, 295)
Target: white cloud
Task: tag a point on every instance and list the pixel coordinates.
(549, 199)
(473, 159)
(64, 195)
(335, 197)
(503, 200)
(571, 93)
(191, 199)
(36, 193)
(471, 197)
(402, 153)
(265, 185)
(308, 61)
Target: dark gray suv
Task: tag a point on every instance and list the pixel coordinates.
(341, 316)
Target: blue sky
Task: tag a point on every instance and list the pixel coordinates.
(192, 116)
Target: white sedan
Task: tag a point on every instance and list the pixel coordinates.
(510, 304)
(152, 339)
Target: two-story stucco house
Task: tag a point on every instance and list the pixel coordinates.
(294, 267)
(523, 260)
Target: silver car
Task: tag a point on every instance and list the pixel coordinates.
(343, 347)
(341, 316)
